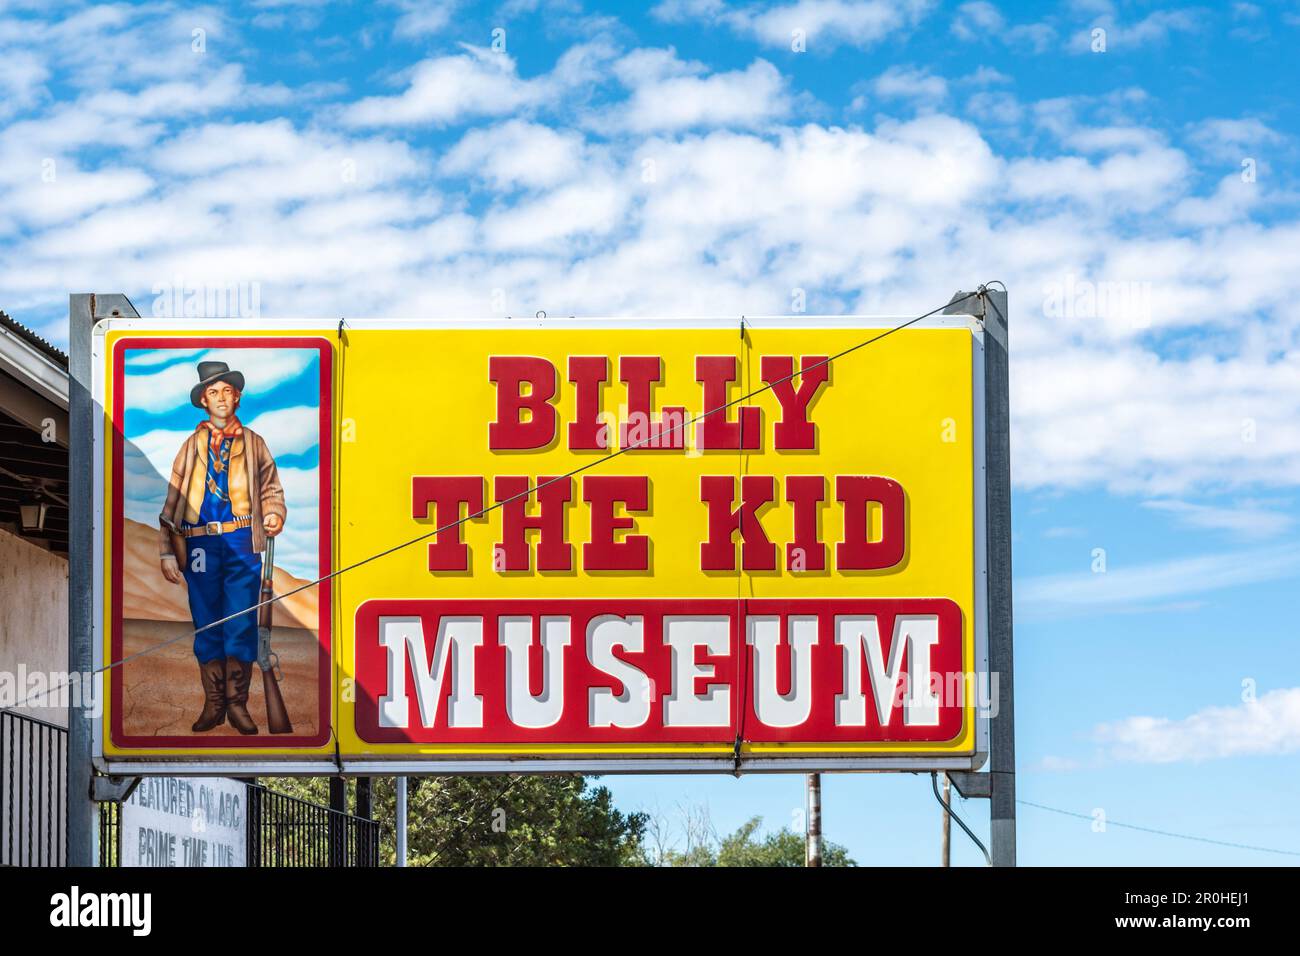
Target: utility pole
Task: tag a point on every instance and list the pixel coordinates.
(947, 822)
(813, 841)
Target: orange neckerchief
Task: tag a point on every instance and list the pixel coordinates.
(217, 435)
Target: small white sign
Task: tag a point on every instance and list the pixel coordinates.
(185, 821)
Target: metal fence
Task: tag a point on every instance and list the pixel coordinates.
(283, 831)
(287, 831)
(33, 773)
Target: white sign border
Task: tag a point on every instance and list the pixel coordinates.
(294, 766)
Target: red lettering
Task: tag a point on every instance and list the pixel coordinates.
(718, 430)
(641, 430)
(794, 432)
(588, 373)
(512, 431)
(718, 553)
(805, 494)
(603, 553)
(857, 553)
(447, 552)
(553, 552)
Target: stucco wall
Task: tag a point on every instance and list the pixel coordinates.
(33, 615)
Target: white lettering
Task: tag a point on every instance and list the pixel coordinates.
(682, 706)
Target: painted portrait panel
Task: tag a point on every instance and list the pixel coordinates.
(221, 478)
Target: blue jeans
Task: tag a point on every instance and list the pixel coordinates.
(230, 581)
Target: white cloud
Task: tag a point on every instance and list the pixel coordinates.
(1131, 421)
(289, 431)
(977, 20)
(516, 153)
(746, 97)
(590, 209)
(1137, 587)
(158, 449)
(919, 85)
(825, 24)
(297, 547)
(1234, 139)
(73, 192)
(420, 18)
(1154, 28)
(981, 21)
(1249, 519)
(1142, 180)
(22, 80)
(836, 22)
(1268, 726)
(477, 82)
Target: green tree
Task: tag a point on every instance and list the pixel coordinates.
(782, 848)
(521, 820)
(701, 846)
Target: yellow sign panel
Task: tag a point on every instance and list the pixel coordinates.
(594, 545)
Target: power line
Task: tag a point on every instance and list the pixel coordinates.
(1165, 833)
(526, 493)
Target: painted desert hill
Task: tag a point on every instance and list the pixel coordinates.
(149, 596)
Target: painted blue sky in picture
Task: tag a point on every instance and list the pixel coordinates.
(281, 402)
(1129, 168)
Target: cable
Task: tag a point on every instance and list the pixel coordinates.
(1166, 833)
(947, 808)
(742, 652)
(525, 494)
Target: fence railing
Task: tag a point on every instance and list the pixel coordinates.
(288, 831)
(33, 772)
(282, 830)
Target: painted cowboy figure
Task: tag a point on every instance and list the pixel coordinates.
(223, 500)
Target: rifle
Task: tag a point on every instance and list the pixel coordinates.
(277, 717)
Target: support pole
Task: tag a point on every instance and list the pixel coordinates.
(369, 852)
(363, 798)
(83, 815)
(82, 812)
(337, 832)
(401, 821)
(997, 433)
(947, 823)
(813, 843)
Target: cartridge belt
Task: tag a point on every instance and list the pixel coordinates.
(219, 527)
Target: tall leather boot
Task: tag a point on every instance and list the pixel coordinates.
(213, 675)
(238, 676)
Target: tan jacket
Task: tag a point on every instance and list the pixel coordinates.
(254, 486)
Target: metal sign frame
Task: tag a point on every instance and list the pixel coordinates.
(245, 765)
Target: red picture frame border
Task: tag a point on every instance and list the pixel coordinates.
(261, 741)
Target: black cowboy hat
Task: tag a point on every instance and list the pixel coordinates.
(211, 373)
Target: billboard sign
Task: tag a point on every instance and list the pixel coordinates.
(577, 545)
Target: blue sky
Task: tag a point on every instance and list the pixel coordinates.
(1128, 169)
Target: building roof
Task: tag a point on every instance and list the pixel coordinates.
(33, 431)
(32, 339)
